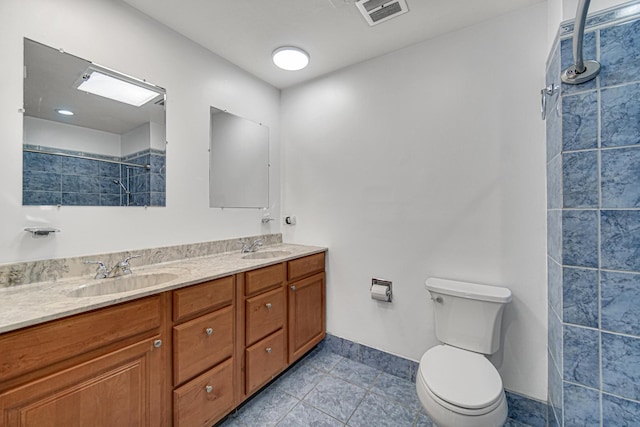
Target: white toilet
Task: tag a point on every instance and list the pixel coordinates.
(456, 383)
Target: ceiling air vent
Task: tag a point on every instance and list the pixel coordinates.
(377, 11)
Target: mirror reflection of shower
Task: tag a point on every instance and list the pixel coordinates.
(126, 191)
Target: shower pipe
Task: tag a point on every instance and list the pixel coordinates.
(55, 153)
(581, 71)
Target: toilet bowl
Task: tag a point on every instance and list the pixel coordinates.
(456, 384)
(460, 388)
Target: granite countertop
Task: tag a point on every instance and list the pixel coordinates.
(29, 305)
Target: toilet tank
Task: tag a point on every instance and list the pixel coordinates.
(468, 315)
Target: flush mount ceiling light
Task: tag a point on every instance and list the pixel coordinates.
(290, 58)
(64, 112)
(102, 84)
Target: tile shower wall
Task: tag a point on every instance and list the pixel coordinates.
(593, 225)
(49, 179)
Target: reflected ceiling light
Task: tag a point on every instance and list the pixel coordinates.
(102, 84)
(64, 112)
(290, 58)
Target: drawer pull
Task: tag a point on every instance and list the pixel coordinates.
(209, 388)
(157, 343)
(293, 288)
(268, 305)
(209, 331)
(268, 350)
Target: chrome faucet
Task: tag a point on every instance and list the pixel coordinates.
(120, 269)
(250, 247)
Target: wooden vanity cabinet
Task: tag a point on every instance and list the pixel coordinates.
(102, 368)
(306, 304)
(203, 349)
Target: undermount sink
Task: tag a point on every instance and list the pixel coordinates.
(116, 285)
(266, 254)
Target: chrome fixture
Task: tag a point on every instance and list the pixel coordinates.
(250, 247)
(41, 231)
(550, 91)
(125, 189)
(267, 220)
(120, 269)
(581, 71)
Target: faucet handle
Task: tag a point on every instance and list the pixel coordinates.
(102, 270)
(124, 265)
(129, 258)
(246, 246)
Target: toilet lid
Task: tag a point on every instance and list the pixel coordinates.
(461, 377)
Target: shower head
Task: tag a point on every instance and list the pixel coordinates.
(117, 181)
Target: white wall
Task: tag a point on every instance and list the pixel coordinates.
(429, 161)
(116, 35)
(137, 139)
(68, 137)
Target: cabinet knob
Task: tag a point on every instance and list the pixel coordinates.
(209, 388)
(293, 288)
(157, 343)
(209, 331)
(268, 350)
(268, 305)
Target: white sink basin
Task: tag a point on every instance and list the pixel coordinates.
(116, 285)
(266, 254)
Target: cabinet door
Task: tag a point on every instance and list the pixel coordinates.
(265, 359)
(306, 315)
(122, 388)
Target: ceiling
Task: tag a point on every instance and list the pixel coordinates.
(336, 35)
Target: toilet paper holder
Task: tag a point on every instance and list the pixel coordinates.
(381, 290)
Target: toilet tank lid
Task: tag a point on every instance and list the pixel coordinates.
(468, 290)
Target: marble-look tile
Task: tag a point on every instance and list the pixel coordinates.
(305, 415)
(299, 380)
(73, 165)
(581, 406)
(620, 301)
(554, 337)
(41, 162)
(109, 169)
(554, 379)
(580, 179)
(620, 240)
(397, 389)
(41, 197)
(617, 412)
(266, 408)
(621, 178)
(580, 121)
(386, 362)
(554, 130)
(41, 181)
(322, 360)
(81, 199)
(620, 116)
(157, 182)
(510, 422)
(554, 183)
(380, 412)
(554, 234)
(342, 347)
(580, 238)
(157, 199)
(581, 356)
(621, 365)
(336, 397)
(580, 296)
(423, 420)
(355, 372)
(527, 411)
(80, 184)
(553, 420)
(109, 200)
(566, 53)
(554, 288)
(620, 53)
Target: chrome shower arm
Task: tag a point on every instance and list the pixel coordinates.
(581, 71)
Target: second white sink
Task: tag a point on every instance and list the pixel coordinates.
(116, 285)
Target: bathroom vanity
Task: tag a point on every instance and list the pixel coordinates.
(183, 353)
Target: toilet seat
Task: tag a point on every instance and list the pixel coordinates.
(460, 380)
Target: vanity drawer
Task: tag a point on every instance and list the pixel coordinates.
(204, 297)
(263, 279)
(302, 267)
(201, 343)
(265, 359)
(205, 399)
(265, 314)
(29, 349)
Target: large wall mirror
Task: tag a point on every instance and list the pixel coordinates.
(239, 162)
(92, 136)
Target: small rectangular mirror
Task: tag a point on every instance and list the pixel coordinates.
(238, 163)
(92, 136)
